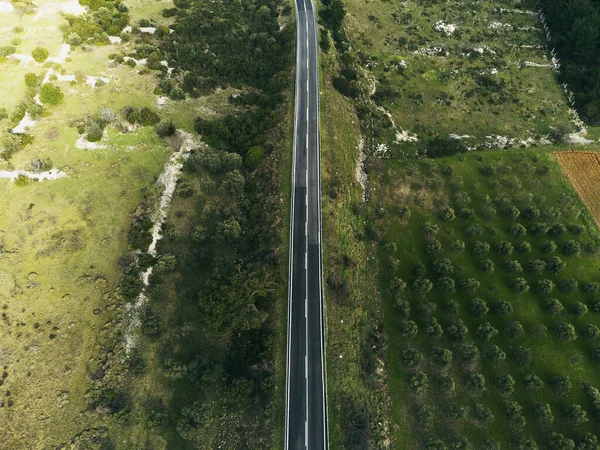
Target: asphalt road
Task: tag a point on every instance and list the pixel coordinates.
(306, 405)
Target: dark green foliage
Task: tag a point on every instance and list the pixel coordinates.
(556, 265)
(457, 330)
(512, 266)
(165, 128)
(590, 331)
(503, 308)
(568, 285)
(543, 413)
(548, 246)
(486, 331)
(535, 266)
(557, 229)
(402, 307)
(435, 444)
(504, 383)
(419, 382)
(447, 214)
(539, 228)
(558, 441)
(523, 247)
(483, 414)
(422, 286)
(518, 230)
(481, 248)
(408, 328)
(519, 285)
(468, 285)
(530, 212)
(566, 332)
(513, 330)
(571, 248)
(467, 352)
(560, 385)
(451, 307)
(591, 287)
(494, 354)
(521, 357)
(433, 247)
(446, 285)
(475, 381)
(527, 444)
(514, 412)
(433, 329)
(50, 94)
(478, 307)
(443, 266)
(460, 443)
(544, 286)
(418, 269)
(442, 356)
(503, 248)
(575, 415)
(486, 266)
(532, 383)
(588, 442)
(553, 307)
(512, 212)
(411, 357)
(456, 411)
(441, 146)
(144, 116)
(579, 309)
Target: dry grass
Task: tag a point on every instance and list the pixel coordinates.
(583, 170)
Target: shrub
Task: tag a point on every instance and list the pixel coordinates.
(457, 246)
(478, 307)
(456, 411)
(521, 357)
(443, 266)
(553, 307)
(530, 213)
(519, 285)
(447, 214)
(514, 412)
(483, 414)
(518, 230)
(430, 230)
(165, 128)
(402, 307)
(524, 247)
(560, 442)
(486, 266)
(575, 415)
(486, 331)
(512, 212)
(527, 444)
(571, 248)
(433, 247)
(31, 80)
(566, 332)
(591, 287)
(469, 285)
(476, 382)
(588, 442)
(39, 54)
(442, 356)
(503, 248)
(590, 331)
(408, 328)
(457, 331)
(474, 230)
(556, 265)
(504, 383)
(467, 352)
(568, 285)
(422, 286)
(255, 156)
(451, 307)
(466, 213)
(579, 309)
(512, 266)
(481, 248)
(418, 383)
(411, 357)
(503, 308)
(514, 330)
(533, 383)
(539, 228)
(548, 246)
(535, 266)
(447, 383)
(560, 385)
(50, 94)
(543, 413)
(418, 269)
(557, 229)
(494, 354)
(544, 286)
(94, 132)
(433, 329)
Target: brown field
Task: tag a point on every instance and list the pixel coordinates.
(583, 170)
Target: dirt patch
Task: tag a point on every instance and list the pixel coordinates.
(583, 170)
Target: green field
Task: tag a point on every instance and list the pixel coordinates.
(490, 194)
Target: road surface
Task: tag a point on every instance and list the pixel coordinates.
(306, 406)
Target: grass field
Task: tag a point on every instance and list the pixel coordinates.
(496, 198)
(477, 70)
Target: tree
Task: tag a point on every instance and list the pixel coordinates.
(39, 54)
(543, 413)
(457, 331)
(514, 412)
(579, 309)
(571, 248)
(446, 285)
(590, 331)
(544, 286)
(560, 385)
(504, 383)
(433, 247)
(483, 414)
(233, 183)
(514, 330)
(442, 356)
(568, 285)
(530, 213)
(519, 285)
(418, 269)
(553, 307)
(503, 248)
(532, 383)
(486, 266)
(430, 230)
(397, 285)
(539, 228)
(166, 128)
(512, 266)
(556, 265)
(451, 307)
(254, 157)
(503, 308)
(591, 287)
(557, 229)
(478, 307)
(476, 381)
(460, 443)
(524, 247)
(229, 229)
(435, 444)
(457, 246)
(447, 214)
(408, 328)
(467, 352)
(402, 307)
(481, 248)
(418, 382)
(486, 331)
(575, 415)
(433, 329)
(31, 80)
(521, 357)
(535, 266)
(422, 286)
(50, 94)
(443, 266)
(411, 357)
(548, 246)
(588, 442)
(512, 212)
(456, 411)
(494, 354)
(527, 444)
(566, 332)
(518, 230)
(560, 442)
(469, 285)
(447, 383)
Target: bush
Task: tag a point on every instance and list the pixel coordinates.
(533, 383)
(530, 213)
(503, 248)
(467, 352)
(512, 212)
(504, 383)
(590, 331)
(579, 309)
(548, 246)
(408, 328)
(560, 385)
(165, 128)
(568, 285)
(514, 412)
(524, 247)
(521, 357)
(39, 54)
(553, 307)
(31, 80)
(512, 266)
(94, 132)
(483, 414)
(433, 329)
(494, 354)
(513, 330)
(451, 307)
(411, 357)
(557, 229)
(457, 246)
(544, 286)
(447, 214)
(422, 286)
(457, 331)
(591, 287)
(478, 307)
(571, 248)
(543, 413)
(556, 265)
(575, 415)
(503, 308)
(486, 266)
(50, 94)
(433, 247)
(469, 285)
(486, 331)
(442, 356)
(535, 266)
(443, 266)
(519, 285)
(418, 383)
(474, 230)
(560, 442)
(481, 248)
(476, 382)
(518, 230)
(566, 332)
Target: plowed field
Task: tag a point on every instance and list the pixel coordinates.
(583, 170)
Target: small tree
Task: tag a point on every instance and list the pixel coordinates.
(442, 356)
(402, 307)
(408, 328)
(476, 382)
(504, 383)
(469, 285)
(478, 307)
(539, 228)
(557, 229)
(533, 383)
(430, 230)
(518, 230)
(446, 285)
(553, 307)
(535, 266)
(419, 382)
(443, 266)
(512, 212)
(467, 352)
(568, 285)
(39, 54)
(31, 80)
(544, 286)
(50, 94)
(433, 247)
(451, 307)
(579, 309)
(433, 330)
(514, 330)
(503, 308)
(447, 214)
(566, 332)
(457, 246)
(575, 415)
(571, 248)
(556, 265)
(588, 442)
(548, 246)
(560, 385)
(411, 357)
(422, 286)
(418, 269)
(591, 287)
(397, 285)
(543, 413)
(519, 285)
(495, 354)
(166, 128)
(524, 247)
(486, 266)
(512, 266)
(527, 444)
(521, 357)
(503, 248)
(483, 414)
(560, 442)
(457, 331)
(481, 248)
(486, 331)
(530, 213)
(590, 331)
